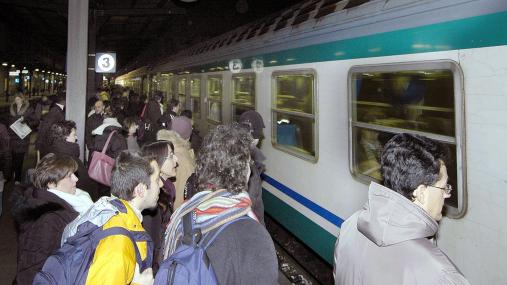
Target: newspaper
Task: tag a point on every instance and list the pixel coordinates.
(21, 129)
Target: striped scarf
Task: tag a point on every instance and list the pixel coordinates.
(209, 210)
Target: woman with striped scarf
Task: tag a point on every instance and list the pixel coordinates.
(243, 253)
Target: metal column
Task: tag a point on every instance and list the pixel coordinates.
(77, 53)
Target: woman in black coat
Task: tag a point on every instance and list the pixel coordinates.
(20, 108)
(62, 138)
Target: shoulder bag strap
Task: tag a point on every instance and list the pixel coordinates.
(104, 149)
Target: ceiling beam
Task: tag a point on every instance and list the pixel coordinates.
(49, 7)
(140, 12)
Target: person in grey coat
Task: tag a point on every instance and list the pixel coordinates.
(391, 240)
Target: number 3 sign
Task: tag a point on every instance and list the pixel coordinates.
(105, 62)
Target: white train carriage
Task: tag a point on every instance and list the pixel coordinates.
(334, 80)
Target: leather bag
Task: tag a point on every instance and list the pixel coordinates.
(102, 165)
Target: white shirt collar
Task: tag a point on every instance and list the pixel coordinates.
(60, 105)
(136, 211)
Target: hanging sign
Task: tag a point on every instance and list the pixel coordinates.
(105, 62)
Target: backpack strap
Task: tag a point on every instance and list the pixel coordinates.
(104, 149)
(99, 235)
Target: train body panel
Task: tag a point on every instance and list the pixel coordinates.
(311, 194)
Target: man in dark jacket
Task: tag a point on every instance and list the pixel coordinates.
(93, 121)
(253, 121)
(55, 114)
(389, 240)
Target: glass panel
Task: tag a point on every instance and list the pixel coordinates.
(196, 107)
(215, 111)
(195, 87)
(243, 89)
(367, 146)
(182, 82)
(294, 92)
(295, 133)
(215, 88)
(183, 101)
(237, 110)
(415, 100)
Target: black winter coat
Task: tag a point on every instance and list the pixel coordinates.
(55, 114)
(41, 217)
(117, 144)
(17, 144)
(92, 123)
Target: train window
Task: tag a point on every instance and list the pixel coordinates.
(418, 98)
(182, 94)
(294, 122)
(243, 94)
(215, 98)
(195, 96)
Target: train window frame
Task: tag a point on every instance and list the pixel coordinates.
(197, 115)
(209, 99)
(252, 106)
(459, 138)
(314, 116)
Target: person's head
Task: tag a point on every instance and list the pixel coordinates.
(19, 99)
(253, 120)
(131, 124)
(414, 166)
(55, 171)
(174, 105)
(224, 159)
(60, 99)
(136, 179)
(98, 107)
(63, 131)
(158, 96)
(182, 126)
(163, 153)
(44, 98)
(186, 113)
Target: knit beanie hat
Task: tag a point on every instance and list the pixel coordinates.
(183, 126)
(254, 121)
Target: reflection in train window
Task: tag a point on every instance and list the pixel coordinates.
(243, 94)
(195, 96)
(165, 81)
(182, 94)
(293, 113)
(418, 98)
(215, 98)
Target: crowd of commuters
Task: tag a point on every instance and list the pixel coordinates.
(165, 173)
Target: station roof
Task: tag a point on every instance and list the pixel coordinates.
(33, 33)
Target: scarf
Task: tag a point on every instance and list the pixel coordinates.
(80, 201)
(209, 210)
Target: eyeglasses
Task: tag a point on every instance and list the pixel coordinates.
(447, 189)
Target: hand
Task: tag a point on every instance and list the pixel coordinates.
(144, 278)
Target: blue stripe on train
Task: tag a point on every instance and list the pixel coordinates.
(332, 218)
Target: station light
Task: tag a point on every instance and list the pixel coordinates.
(13, 65)
(36, 69)
(5, 64)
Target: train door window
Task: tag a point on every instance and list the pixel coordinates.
(165, 83)
(243, 94)
(181, 90)
(418, 98)
(195, 96)
(293, 112)
(215, 98)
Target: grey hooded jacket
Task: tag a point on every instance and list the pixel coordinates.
(387, 242)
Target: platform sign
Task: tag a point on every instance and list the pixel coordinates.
(105, 62)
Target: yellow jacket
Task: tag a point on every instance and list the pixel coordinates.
(114, 261)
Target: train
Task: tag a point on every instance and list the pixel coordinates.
(334, 80)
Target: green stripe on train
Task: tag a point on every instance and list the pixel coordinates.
(305, 229)
(481, 31)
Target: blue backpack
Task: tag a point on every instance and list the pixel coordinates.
(70, 263)
(189, 264)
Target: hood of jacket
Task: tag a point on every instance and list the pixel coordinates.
(22, 111)
(108, 122)
(389, 218)
(174, 137)
(30, 203)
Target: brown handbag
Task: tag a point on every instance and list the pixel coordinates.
(101, 165)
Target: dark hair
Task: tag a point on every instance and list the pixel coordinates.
(129, 121)
(186, 113)
(158, 95)
(91, 102)
(130, 170)
(173, 103)
(223, 159)
(157, 151)
(60, 99)
(53, 168)
(408, 161)
(60, 130)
